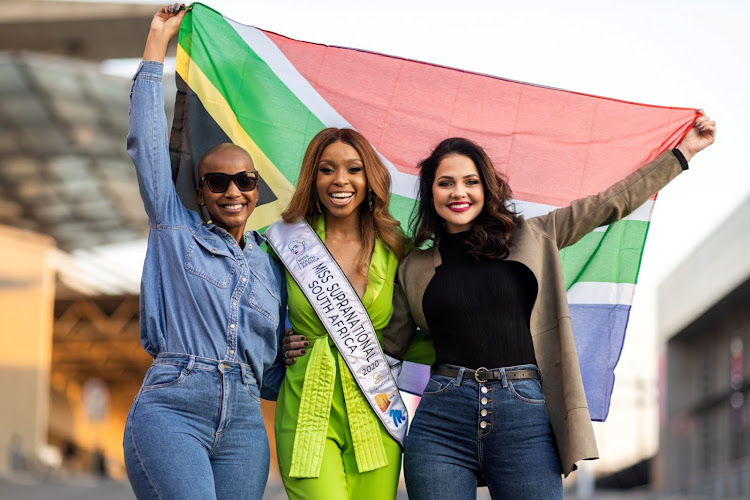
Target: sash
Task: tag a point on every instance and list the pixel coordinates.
(344, 317)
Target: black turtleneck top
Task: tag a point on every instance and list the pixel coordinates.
(478, 310)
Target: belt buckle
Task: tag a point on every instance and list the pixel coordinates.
(476, 374)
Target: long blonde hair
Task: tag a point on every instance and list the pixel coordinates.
(375, 223)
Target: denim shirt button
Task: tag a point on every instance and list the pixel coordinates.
(231, 326)
(484, 401)
(231, 351)
(484, 390)
(244, 279)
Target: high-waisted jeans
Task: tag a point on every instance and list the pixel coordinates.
(195, 431)
(496, 432)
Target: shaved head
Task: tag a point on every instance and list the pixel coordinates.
(226, 152)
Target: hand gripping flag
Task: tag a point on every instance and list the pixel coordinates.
(271, 94)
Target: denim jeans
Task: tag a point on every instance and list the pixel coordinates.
(195, 431)
(499, 432)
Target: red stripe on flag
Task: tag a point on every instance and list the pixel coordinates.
(554, 145)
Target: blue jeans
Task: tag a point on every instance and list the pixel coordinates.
(497, 432)
(195, 431)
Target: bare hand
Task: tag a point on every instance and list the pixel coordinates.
(168, 19)
(293, 346)
(699, 137)
(164, 25)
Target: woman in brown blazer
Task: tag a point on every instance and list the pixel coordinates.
(505, 403)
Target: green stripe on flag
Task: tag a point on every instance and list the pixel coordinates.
(266, 109)
(612, 256)
(401, 208)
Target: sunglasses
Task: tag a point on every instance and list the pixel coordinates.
(219, 183)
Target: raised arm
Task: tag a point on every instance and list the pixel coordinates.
(569, 224)
(147, 140)
(164, 25)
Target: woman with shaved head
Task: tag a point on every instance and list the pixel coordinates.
(212, 311)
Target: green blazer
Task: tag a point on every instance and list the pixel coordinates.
(536, 244)
(304, 403)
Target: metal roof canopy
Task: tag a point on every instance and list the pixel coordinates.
(87, 30)
(64, 170)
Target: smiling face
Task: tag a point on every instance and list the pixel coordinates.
(457, 192)
(340, 180)
(230, 209)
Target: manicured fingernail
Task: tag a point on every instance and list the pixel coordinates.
(303, 351)
(307, 344)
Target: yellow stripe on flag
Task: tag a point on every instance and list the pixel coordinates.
(222, 113)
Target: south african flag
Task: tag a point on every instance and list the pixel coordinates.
(271, 94)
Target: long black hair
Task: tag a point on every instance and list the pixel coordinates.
(491, 232)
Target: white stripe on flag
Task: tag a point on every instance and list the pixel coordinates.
(588, 292)
(530, 209)
(403, 184)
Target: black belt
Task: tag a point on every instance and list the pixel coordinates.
(483, 374)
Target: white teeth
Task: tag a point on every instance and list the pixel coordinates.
(232, 207)
(459, 205)
(341, 196)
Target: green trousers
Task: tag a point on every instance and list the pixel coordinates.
(339, 477)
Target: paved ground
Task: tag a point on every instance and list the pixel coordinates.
(83, 488)
(90, 488)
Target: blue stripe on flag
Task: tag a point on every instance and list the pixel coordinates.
(599, 331)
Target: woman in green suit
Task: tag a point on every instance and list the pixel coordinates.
(330, 442)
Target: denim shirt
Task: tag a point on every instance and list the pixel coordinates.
(201, 293)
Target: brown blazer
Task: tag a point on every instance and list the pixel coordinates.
(536, 244)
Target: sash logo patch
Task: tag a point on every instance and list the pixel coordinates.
(297, 247)
(398, 417)
(384, 401)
